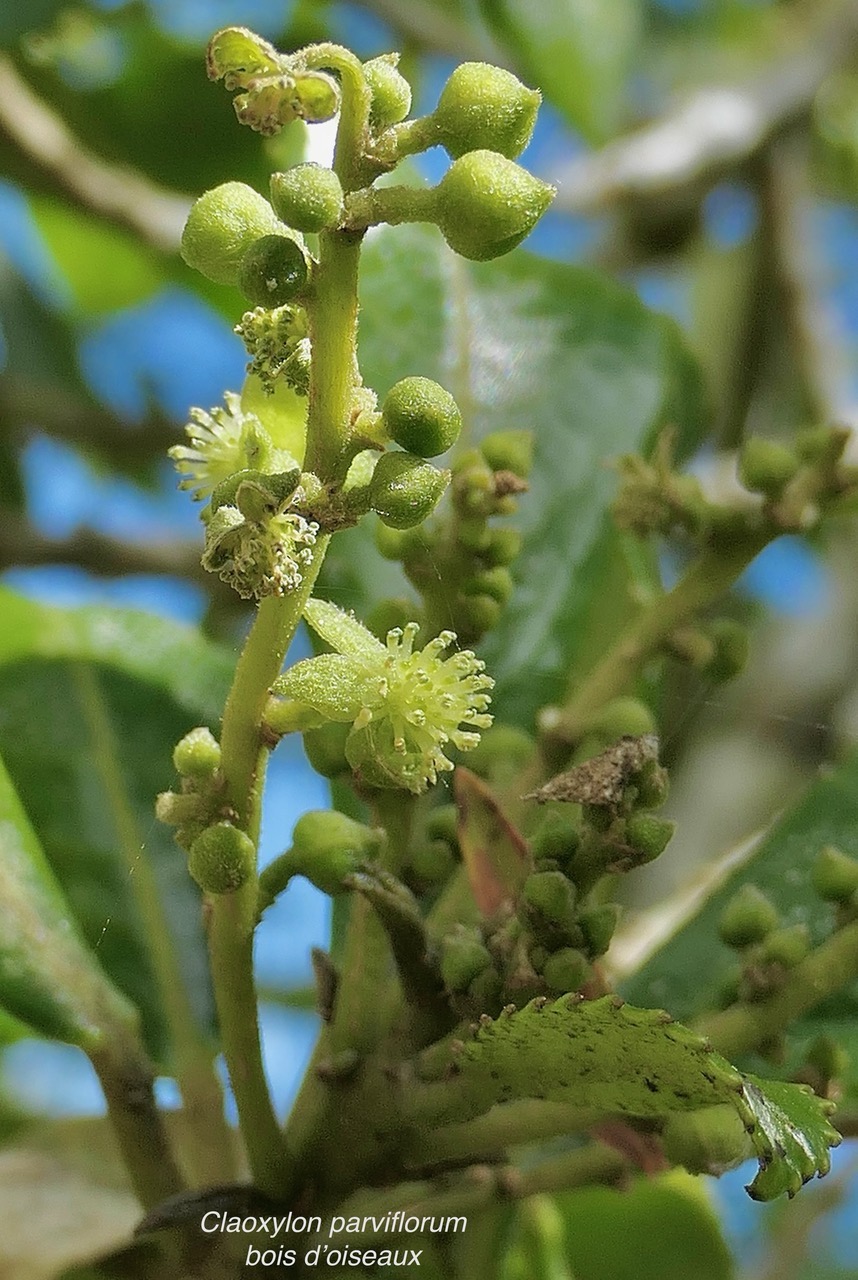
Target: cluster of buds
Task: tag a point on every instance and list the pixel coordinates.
(768, 949)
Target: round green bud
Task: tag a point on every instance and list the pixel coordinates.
(765, 466)
(175, 808)
(273, 271)
(555, 838)
(443, 824)
(485, 107)
(502, 548)
(389, 614)
(550, 896)
(421, 417)
(222, 225)
(485, 990)
(487, 205)
(834, 875)
(463, 958)
(598, 925)
(404, 489)
(731, 650)
(622, 717)
(197, 755)
(222, 858)
(326, 749)
(653, 785)
(308, 197)
(748, 917)
(472, 533)
(509, 451)
(786, 946)
(327, 846)
(475, 615)
(711, 1140)
(500, 753)
(496, 583)
(566, 970)
(391, 92)
(648, 835)
(432, 862)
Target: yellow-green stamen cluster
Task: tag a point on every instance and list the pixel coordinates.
(259, 558)
(220, 443)
(279, 346)
(422, 702)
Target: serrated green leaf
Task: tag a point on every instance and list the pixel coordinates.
(558, 349)
(791, 1137)
(48, 978)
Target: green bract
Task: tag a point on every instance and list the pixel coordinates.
(391, 92)
(486, 205)
(308, 197)
(221, 227)
(405, 489)
(273, 271)
(485, 107)
(421, 417)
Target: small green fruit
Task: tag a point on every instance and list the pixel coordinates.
(496, 583)
(482, 106)
(487, 205)
(566, 970)
(463, 958)
(648, 835)
(623, 717)
(748, 917)
(326, 749)
(405, 490)
(787, 946)
(432, 862)
(555, 838)
(598, 925)
(765, 466)
(835, 875)
(197, 755)
(222, 225)
(391, 92)
(327, 846)
(549, 896)
(503, 547)
(443, 824)
(475, 615)
(222, 858)
(308, 197)
(273, 271)
(421, 417)
(509, 451)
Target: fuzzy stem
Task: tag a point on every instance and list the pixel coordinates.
(393, 205)
(828, 969)
(489, 1135)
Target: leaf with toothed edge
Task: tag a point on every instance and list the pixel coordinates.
(604, 1058)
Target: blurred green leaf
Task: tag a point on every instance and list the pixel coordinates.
(659, 1229)
(48, 977)
(16, 19)
(91, 704)
(523, 342)
(578, 52)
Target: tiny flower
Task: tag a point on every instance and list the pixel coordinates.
(221, 442)
(407, 706)
(277, 342)
(259, 558)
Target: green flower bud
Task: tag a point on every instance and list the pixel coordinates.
(421, 417)
(404, 489)
(748, 917)
(548, 896)
(397, 544)
(765, 466)
(443, 823)
(598, 925)
(509, 451)
(821, 444)
(432, 862)
(711, 1140)
(326, 749)
(391, 92)
(197, 755)
(485, 990)
(834, 875)
(567, 970)
(731, 650)
(652, 784)
(221, 227)
(495, 583)
(222, 859)
(327, 846)
(308, 197)
(463, 958)
(273, 271)
(487, 205)
(786, 946)
(502, 548)
(829, 1058)
(649, 835)
(501, 753)
(388, 615)
(555, 838)
(176, 808)
(623, 717)
(485, 107)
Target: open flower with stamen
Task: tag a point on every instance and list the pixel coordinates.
(259, 558)
(220, 443)
(407, 706)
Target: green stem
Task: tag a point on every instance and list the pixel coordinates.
(334, 376)
(393, 205)
(232, 916)
(209, 1143)
(828, 969)
(353, 131)
(488, 1135)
